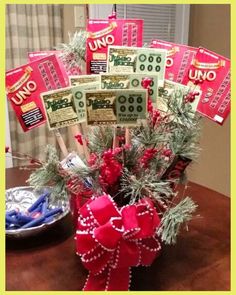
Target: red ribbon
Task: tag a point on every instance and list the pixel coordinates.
(111, 240)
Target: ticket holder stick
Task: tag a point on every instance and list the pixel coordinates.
(61, 143)
(115, 138)
(83, 130)
(127, 136)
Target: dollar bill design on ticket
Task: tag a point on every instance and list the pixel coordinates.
(130, 81)
(138, 60)
(79, 98)
(60, 108)
(116, 107)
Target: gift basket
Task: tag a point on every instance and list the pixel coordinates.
(135, 117)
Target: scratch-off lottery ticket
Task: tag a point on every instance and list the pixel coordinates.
(60, 108)
(178, 59)
(130, 81)
(146, 61)
(83, 79)
(210, 73)
(179, 90)
(24, 85)
(105, 32)
(79, 98)
(117, 107)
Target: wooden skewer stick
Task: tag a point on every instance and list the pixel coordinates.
(84, 129)
(127, 136)
(61, 143)
(115, 138)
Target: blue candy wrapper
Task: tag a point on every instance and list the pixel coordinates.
(38, 201)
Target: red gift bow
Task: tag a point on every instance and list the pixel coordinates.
(111, 240)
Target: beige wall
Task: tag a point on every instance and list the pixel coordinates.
(210, 28)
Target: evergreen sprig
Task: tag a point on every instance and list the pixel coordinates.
(147, 184)
(174, 218)
(147, 136)
(185, 142)
(73, 52)
(100, 139)
(48, 175)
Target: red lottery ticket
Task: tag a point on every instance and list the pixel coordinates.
(178, 60)
(24, 85)
(210, 73)
(64, 65)
(105, 32)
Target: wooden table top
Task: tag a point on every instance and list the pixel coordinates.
(199, 261)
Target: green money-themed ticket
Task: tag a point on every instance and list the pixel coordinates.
(116, 107)
(59, 108)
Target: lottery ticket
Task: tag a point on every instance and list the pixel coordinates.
(68, 67)
(130, 81)
(105, 32)
(116, 107)
(79, 98)
(24, 85)
(137, 60)
(210, 73)
(83, 79)
(178, 59)
(60, 108)
(179, 91)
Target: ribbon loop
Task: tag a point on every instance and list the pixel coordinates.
(108, 235)
(111, 240)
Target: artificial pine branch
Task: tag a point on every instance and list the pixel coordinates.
(183, 126)
(147, 184)
(48, 174)
(147, 136)
(74, 51)
(185, 143)
(100, 139)
(174, 218)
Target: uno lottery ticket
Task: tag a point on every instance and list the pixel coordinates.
(137, 60)
(210, 73)
(60, 108)
(178, 60)
(83, 79)
(24, 85)
(116, 107)
(79, 98)
(66, 66)
(105, 32)
(130, 81)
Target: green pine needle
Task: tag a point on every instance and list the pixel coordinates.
(146, 185)
(48, 175)
(173, 218)
(74, 51)
(100, 139)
